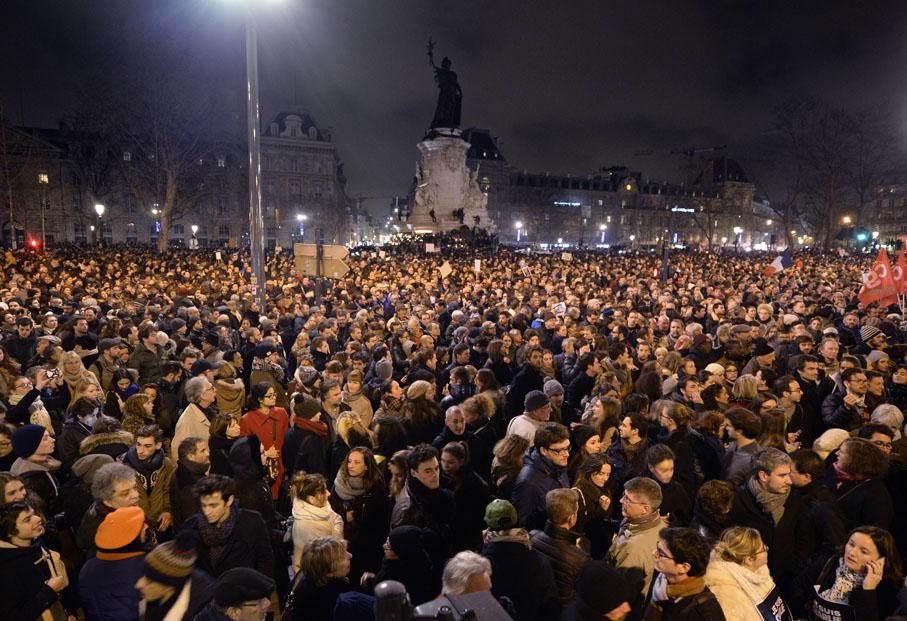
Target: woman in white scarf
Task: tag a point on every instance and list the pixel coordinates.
(312, 515)
(738, 574)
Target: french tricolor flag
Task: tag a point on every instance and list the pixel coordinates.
(781, 263)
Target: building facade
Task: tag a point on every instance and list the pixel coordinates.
(63, 175)
(885, 215)
(615, 206)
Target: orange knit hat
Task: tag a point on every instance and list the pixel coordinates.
(119, 529)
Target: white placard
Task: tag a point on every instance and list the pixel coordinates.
(217, 255)
(430, 248)
(445, 270)
(477, 266)
(566, 256)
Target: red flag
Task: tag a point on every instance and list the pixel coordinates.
(899, 274)
(878, 283)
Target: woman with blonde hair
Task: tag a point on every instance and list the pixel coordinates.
(312, 514)
(507, 463)
(74, 371)
(738, 575)
(745, 390)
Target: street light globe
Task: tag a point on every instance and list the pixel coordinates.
(846, 220)
(602, 227)
(737, 230)
(768, 222)
(560, 240)
(632, 237)
(194, 228)
(518, 224)
(99, 209)
(301, 217)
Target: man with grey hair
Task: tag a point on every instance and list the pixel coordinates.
(638, 533)
(196, 417)
(113, 487)
(465, 573)
(764, 502)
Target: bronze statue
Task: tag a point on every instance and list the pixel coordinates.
(450, 97)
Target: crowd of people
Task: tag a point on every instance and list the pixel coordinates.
(585, 436)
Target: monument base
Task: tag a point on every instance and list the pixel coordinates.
(447, 193)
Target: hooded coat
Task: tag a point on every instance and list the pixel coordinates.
(23, 594)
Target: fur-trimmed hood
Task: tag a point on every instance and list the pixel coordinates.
(94, 441)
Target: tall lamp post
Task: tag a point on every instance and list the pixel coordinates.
(519, 231)
(98, 209)
(253, 110)
(43, 180)
(301, 218)
(193, 241)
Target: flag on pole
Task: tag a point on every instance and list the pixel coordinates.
(878, 283)
(781, 263)
(899, 274)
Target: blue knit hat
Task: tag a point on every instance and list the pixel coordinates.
(26, 440)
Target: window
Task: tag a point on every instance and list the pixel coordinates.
(317, 190)
(294, 188)
(271, 232)
(313, 133)
(221, 206)
(77, 202)
(43, 178)
(223, 230)
(294, 165)
(130, 204)
(131, 236)
(79, 231)
(221, 161)
(178, 229)
(127, 156)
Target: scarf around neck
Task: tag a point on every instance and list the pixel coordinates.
(770, 502)
(317, 427)
(216, 536)
(348, 488)
(846, 579)
(662, 591)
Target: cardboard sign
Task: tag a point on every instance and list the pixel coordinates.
(566, 256)
(217, 255)
(382, 254)
(773, 607)
(560, 309)
(445, 270)
(430, 248)
(477, 266)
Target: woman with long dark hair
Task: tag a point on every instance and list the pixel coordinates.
(270, 424)
(359, 496)
(471, 496)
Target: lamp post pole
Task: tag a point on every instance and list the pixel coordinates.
(256, 222)
(43, 180)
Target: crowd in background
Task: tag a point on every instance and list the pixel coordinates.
(586, 436)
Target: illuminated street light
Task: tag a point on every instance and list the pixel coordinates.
(99, 209)
(737, 230)
(301, 217)
(846, 220)
(602, 227)
(519, 230)
(768, 222)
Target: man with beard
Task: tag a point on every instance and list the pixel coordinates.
(154, 475)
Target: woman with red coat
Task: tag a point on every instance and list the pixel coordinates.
(270, 424)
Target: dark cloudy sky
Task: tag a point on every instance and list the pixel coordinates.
(567, 85)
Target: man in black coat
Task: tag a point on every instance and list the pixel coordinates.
(558, 544)
(544, 469)
(228, 535)
(22, 344)
(588, 368)
(847, 410)
(765, 502)
(825, 517)
(193, 461)
(527, 379)
(519, 572)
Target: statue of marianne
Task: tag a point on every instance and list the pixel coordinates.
(450, 97)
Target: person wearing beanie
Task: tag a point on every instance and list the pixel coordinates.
(35, 465)
(537, 410)
(33, 576)
(240, 594)
(107, 581)
(307, 443)
(307, 380)
(594, 603)
(519, 571)
(172, 588)
(560, 412)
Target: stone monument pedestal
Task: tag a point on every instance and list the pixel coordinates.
(445, 185)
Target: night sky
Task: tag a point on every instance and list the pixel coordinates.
(568, 86)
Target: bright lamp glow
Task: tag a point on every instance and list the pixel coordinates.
(99, 209)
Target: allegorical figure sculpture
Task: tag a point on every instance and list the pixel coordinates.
(450, 97)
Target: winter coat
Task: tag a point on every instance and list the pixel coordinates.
(200, 588)
(738, 589)
(523, 575)
(192, 423)
(686, 470)
(700, 607)
(159, 479)
(790, 542)
(825, 517)
(524, 426)
(183, 502)
(247, 547)
(306, 451)
(88, 527)
(836, 414)
(107, 588)
(865, 502)
(537, 477)
(40, 482)
(270, 428)
(633, 545)
(270, 377)
(311, 601)
(622, 467)
(526, 380)
(365, 525)
(230, 396)
(310, 522)
(23, 594)
(471, 497)
(219, 450)
(872, 605)
(558, 545)
(147, 363)
(359, 404)
(432, 511)
(69, 439)
(113, 443)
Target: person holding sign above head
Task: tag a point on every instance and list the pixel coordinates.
(860, 584)
(738, 576)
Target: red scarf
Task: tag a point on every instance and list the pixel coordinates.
(845, 476)
(315, 426)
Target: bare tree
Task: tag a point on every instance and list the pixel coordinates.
(872, 153)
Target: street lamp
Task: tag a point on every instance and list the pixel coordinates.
(301, 218)
(519, 230)
(98, 209)
(602, 228)
(43, 181)
(846, 220)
